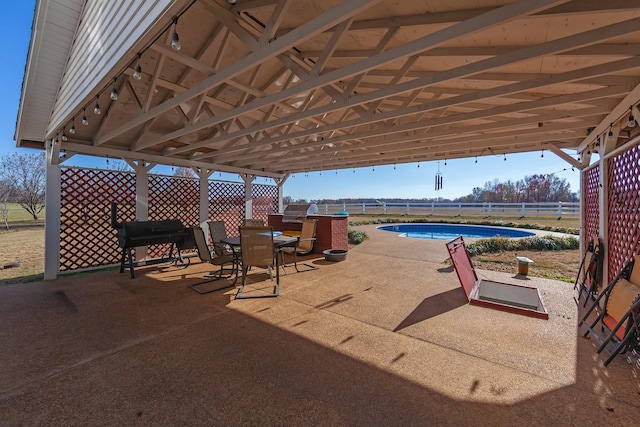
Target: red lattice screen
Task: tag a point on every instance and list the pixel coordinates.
(226, 203)
(86, 236)
(624, 208)
(264, 201)
(172, 197)
(590, 203)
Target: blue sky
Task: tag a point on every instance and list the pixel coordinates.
(460, 176)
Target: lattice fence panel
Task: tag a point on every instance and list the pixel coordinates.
(172, 197)
(624, 208)
(264, 201)
(590, 202)
(86, 236)
(226, 203)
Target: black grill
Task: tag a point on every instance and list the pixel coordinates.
(144, 233)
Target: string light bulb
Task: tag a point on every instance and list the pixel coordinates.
(72, 129)
(114, 92)
(64, 136)
(476, 159)
(85, 122)
(175, 40)
(542, 154)
(96, 108)
(610, 134)
(631, 122)
(505, 157)
(137, 72)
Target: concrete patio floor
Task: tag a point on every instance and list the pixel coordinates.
(383, 338)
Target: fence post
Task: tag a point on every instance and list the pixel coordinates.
(384, 207)
(459, 209)
(326, 208)
(559, 209)
(523, 210)
(363, 207)
(433, 209)
(490, 209)
(344, 207)
(407, 208)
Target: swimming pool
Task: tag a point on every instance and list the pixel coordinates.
(451, 231)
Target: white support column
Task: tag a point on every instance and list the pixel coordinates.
(607, 147)
(603, 229)
(52, 218)
(248, 201)
(280, 182)
(203, 176)
(142, 169)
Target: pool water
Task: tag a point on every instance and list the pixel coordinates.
(451, 231)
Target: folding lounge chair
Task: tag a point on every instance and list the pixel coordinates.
(217, 260)
(256, 245)
(619, 318)
(508, 297)
(303, 246)
(589, 279)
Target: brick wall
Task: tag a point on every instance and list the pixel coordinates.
(331, 230)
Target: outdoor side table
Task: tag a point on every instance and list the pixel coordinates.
(523, 265)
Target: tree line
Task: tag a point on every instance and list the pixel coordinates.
(537, 188)
(531, 189)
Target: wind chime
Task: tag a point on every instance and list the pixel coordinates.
(438, 182)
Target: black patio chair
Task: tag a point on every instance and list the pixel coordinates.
(221, 261)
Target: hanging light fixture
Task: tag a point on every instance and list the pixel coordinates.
(542, 154)
(175, 40)
(631, 122)
(72, 129)
(64, 136)
(85, 122)
(96, 108)
(610, 134)
(114, 92)
(137, 72)
(476, 159)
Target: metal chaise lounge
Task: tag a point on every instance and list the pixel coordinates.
(615, 327)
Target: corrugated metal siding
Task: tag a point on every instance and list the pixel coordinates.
(109, 29)
(54, 27)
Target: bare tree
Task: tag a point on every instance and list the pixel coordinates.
(118, 165)
(184, 172)
(5, 192)
(26, 173)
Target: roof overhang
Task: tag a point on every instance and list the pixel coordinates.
(273, 87)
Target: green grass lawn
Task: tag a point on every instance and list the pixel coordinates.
(19, 216)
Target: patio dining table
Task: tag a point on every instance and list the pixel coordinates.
(279, 241)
